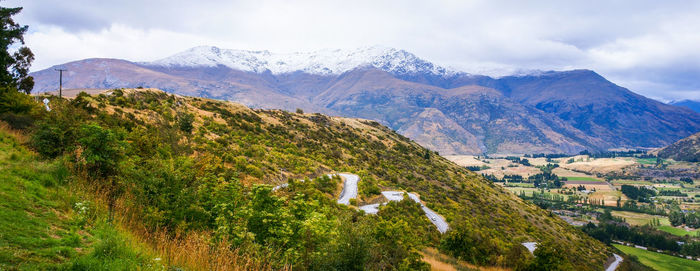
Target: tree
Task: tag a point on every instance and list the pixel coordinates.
(184, 122)
(101, 153)
(468, 243)
(676, 218)
(549, 256)
(15, 66)
(101, 150)
(13, 101)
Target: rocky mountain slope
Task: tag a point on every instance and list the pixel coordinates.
(450, 112)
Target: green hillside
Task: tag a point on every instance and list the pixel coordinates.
(173, 167)
(44, 225)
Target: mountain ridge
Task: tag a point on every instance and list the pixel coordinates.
(323, 62)
(552, 112)
(692, 105)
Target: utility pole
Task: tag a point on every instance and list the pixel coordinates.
(60, 82)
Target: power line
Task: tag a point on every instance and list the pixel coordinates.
(60, 81)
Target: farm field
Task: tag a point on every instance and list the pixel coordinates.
(646, 161)
(589, 185)
(583, 178)
(678, 231)
(465, 160)
(563, 172)
(510, 184)
(529, 190)
(609, 198)
(600, 165)
(593, 173)
(639, 219)
(658, 261)
(630, 182)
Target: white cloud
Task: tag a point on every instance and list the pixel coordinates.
(627, 41)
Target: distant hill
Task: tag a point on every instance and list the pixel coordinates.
(693, 105)
(687, 149)
(448, 111)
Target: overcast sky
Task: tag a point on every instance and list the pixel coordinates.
(650, 47)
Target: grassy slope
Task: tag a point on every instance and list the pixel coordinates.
(660, 261)
(39, 228)
(273, 145)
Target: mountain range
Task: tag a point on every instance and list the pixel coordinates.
(693, 105)
(448, 111)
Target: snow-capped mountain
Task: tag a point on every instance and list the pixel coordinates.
(322, 62)
(450, 112)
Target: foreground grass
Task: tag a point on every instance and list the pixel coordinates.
(658, 261)
(442, 262)
(45, 226)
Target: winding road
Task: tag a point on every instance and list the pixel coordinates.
(434, 217)
(349, 188)
(615, 264)
(350, 192)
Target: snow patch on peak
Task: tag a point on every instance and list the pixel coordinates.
(327, 61)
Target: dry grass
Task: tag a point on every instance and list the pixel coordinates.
(638, 219)
(610, 197)
(600, 165)
(191, 250)
(464, 160)
(21, 137)
(442, 262)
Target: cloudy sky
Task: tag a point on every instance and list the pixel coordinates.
(651, 47)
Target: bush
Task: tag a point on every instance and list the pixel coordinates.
(102, 150)
(49, 140)
(17, 121)
(549, 256)
(16, 102)
(467, 243)
(184, 122)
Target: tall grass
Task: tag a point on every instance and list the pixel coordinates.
(194, 250)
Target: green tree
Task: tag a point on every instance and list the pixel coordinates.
(12, 101)
(549, 256)
(101, 152)
(15, 66)
(184, 122)
(469, 243)
(353, 247)
(268, 220)
(58, 130)
(676, 218)
(396, 247)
